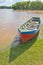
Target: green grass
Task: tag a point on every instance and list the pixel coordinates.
(30, 53)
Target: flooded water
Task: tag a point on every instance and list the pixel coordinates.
(9, 22)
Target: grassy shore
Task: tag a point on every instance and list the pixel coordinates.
(30, 53)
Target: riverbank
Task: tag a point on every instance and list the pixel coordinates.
(34, 11)
(30, 53)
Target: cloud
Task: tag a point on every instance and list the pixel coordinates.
(9, 0)
(25, 0)
(6, 2)
(2, 1)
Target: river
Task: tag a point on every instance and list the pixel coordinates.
(9, 22)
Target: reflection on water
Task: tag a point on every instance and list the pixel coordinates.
(9, 22)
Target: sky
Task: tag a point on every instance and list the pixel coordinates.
(10, 2)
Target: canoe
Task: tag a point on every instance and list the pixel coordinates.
(29, 29)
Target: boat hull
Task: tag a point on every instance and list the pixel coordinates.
(27, 35)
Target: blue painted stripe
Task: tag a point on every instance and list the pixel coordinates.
(29, 32)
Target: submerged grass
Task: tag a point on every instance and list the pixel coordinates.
(30, 53)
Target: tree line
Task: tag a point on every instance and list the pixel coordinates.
(28, 5)
(5, 7)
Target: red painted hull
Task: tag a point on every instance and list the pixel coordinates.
(26, 37)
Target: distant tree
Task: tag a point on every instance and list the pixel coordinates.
(5, 7)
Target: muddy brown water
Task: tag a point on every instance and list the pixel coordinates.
(10, 20)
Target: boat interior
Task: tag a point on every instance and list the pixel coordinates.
(32, 24)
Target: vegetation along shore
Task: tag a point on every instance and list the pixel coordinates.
(28, 5)
(25, 5)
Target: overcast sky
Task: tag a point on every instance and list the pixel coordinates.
(9, 2)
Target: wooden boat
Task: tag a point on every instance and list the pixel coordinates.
(29, 29)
